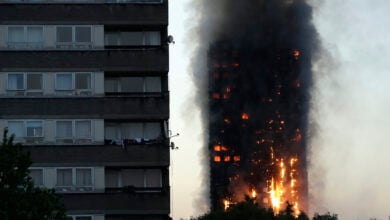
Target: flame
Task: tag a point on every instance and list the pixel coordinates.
(217, 158)
(217, 147)
(226, 159)
(245, 116)
(296, 54)
(224, 148)
(275, 196)
(226, 204)
(254, 194)
(236, 158)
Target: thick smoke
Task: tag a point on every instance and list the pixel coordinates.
(256, 29)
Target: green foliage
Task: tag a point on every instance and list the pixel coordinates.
(19, 199)
(326, 216)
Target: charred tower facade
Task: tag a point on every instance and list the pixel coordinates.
(259, 77)
(84, 88)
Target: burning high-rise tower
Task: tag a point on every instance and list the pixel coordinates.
(259, 77)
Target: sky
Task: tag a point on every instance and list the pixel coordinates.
(349, 172)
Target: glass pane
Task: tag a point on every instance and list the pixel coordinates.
(111, 85)
(112, 178)
(132, 131)
(83, 81)
(152, 130)
(15, 81)
(34, 34)
(83, 34)
(112, 132)
(83, 218)
(37, 176)
(34, 129)
(34, 81)
(64, 82)
(152, 38)
(83, 177)
(153, 178)
(16, 34)
(132, 84)
(16, 128)
(64, 177)
(111, 38)
(64, 129)
(83, 129)
(132, 38)
(153, 84)
(132, 177)
(64, 34)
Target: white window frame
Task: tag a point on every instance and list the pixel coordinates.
(25, 138)
(74, 44)
(73, 91)
(43, 175)
(25, 44)
(74, 188)
(74, 139)
(24, 91)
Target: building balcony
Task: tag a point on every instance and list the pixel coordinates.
(131, 60)
(130, 202)
(81, 12)
(113, 107)
(151, 155)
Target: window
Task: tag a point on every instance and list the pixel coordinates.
(136, 131)
(34, 129)
(150, 84)
(25, 84)
(74, 132)
(29, 130)
(36, 176)
(79, 217)
(78, 37)
(16, 128)
(74, 179)
(140, 178)
(70, 84)
(132, 38)
(25, 37)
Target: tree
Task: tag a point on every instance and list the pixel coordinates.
(326, 216)
(19, 199)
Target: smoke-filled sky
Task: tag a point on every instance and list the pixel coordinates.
(350, 169)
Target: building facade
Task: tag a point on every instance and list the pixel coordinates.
(257, 120)
(84, 88)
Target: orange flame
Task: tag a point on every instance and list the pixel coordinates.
(217, 159)
(296, 54)
(217, 148)
(245, 116)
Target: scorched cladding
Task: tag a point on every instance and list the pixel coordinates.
(257, 116)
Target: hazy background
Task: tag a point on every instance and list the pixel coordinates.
(350, 169)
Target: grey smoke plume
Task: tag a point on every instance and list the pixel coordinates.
(266, 24)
